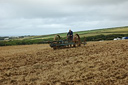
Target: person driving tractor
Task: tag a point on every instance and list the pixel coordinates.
(70, 35)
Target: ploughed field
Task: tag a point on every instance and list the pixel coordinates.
(97, 63)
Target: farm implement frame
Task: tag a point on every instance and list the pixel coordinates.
(58, 43)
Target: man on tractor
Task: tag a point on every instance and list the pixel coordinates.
(70, 35)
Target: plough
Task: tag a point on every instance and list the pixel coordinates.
(59, 43)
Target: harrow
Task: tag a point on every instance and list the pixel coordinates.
(58, 43)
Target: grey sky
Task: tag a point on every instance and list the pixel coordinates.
(39, 17)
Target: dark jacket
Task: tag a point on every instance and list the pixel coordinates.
(70, 34)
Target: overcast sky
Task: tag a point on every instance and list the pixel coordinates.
(40, 17)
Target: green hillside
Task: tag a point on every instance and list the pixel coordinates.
(106, 31)
(90, 35)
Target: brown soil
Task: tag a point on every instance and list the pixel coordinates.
(97, 63)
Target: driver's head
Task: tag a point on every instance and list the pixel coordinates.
(69, 30)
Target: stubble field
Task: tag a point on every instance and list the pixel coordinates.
(97, 63)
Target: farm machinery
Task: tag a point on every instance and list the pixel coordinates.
(58, 43)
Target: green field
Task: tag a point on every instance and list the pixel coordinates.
(106, 31)
(90, 35)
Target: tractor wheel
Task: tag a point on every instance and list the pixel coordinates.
(76, 40)
(57, 37)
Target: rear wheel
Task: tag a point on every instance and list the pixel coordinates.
(57, 38)
(76, 40)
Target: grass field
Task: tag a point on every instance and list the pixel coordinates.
(91, 35)
(97, 63)
(107, 31)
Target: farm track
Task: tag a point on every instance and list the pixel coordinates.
(97, 63)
